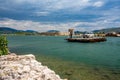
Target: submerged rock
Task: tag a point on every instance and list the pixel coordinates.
(24, 67)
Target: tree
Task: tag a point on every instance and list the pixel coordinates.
(71, 32)
(3, 45)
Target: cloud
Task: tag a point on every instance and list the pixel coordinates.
(40, 14)
(111, 15)
(41, 27)
(98, 4)
(50, 5)
(43, 15)
(38, 26)
(54, 10)
(68, 4)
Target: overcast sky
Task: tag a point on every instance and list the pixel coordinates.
(43, 15)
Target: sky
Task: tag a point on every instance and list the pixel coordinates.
(44, 15)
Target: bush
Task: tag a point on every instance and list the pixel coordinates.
(3, 46)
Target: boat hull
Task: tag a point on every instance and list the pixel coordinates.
(86, 40)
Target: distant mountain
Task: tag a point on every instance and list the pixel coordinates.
(52, 31)
(108, 30)
(7, 30)
(30, 31)
(78, 32)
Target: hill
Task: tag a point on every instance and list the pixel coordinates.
(6, 30)
(108, 30)
(53, 31)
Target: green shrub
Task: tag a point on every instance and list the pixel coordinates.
(3, 45)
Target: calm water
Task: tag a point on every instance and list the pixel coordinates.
(99, 54)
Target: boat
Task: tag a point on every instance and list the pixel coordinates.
(85, 38)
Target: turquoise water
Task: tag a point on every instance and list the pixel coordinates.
(98, 54)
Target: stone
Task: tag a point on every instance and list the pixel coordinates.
(24, 67)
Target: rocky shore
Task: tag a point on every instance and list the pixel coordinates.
(24, 67)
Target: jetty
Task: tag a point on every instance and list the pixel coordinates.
(84, 38)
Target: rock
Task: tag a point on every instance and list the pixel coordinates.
(24, 67)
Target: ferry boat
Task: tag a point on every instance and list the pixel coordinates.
(85, 38)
